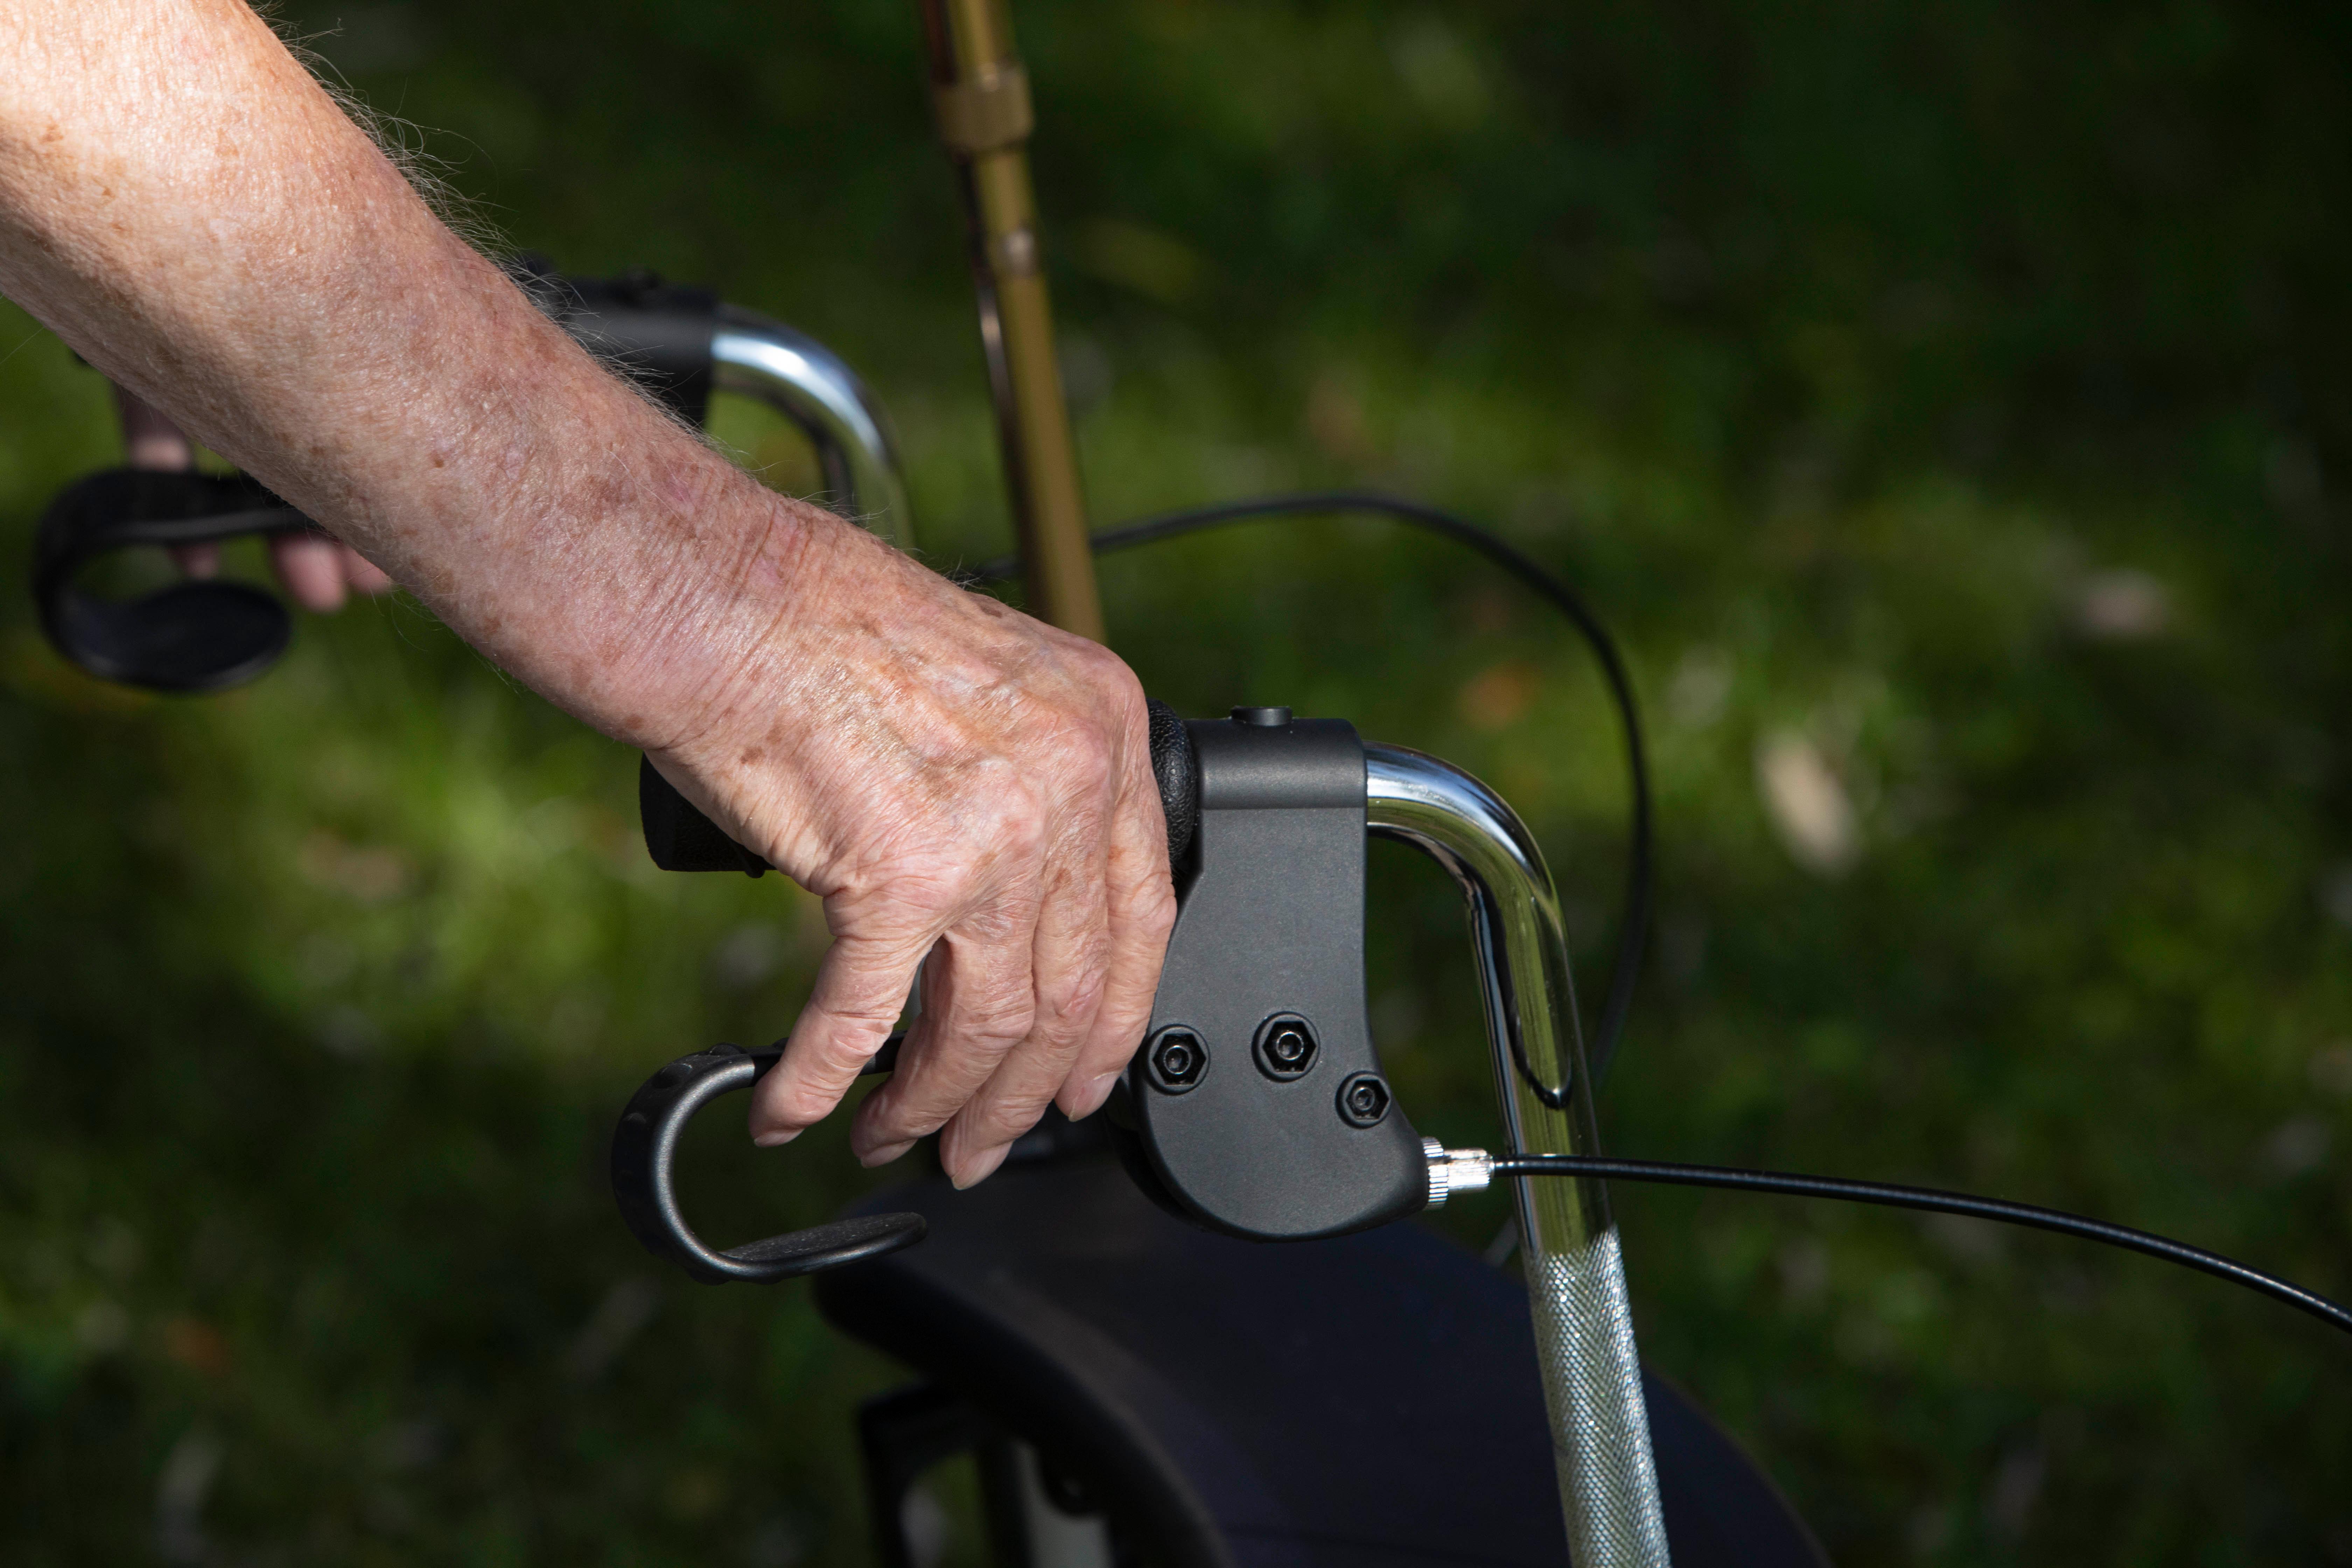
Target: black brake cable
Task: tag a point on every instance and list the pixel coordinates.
(1933, 1201)
(1634, 919)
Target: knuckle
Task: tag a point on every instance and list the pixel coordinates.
(1001, 1022)
(900, 898)
(1117, 1034)
(856, 1024)
(1073, 1001)
(1018, 837)
(918, 1106)
(1091, 768)
(1155, 907)
(801, 1102)
(906, 1118)
(1002, 921)
(829, 1074)
(1113, 678)
(1143, 915)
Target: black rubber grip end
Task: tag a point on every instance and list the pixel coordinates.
(1178, 773)
(681, 838)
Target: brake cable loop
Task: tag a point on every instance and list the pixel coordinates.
(1634, 920)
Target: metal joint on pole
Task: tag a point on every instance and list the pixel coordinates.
(981, 95)
(986, 113)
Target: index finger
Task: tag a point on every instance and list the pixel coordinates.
(861, 986)
(1142, 911)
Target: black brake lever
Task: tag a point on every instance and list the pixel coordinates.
(198, 635)
(646, 1143)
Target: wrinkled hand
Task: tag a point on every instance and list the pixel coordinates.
(970, 792)
(319, 572)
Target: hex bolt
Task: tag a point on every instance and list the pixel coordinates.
(1176, 1059)
(1285, 1047)
(1363, 1100)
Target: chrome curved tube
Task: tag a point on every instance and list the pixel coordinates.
(1575, 1271)
(810, 384)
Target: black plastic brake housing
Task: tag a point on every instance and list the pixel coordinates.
(1257, 1105)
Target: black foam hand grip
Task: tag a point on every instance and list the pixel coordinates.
(680, 838)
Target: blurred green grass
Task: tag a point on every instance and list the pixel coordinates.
(1943, 400)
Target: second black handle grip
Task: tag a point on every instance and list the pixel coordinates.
(680, 838)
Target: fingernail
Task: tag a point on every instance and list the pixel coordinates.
(774, 1139)
(1091, 1098)
(883, 1154)
(980, 1167)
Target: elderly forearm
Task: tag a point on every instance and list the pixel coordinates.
(969, 792)
(182, 203)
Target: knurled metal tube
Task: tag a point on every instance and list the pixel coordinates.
(1568, 1248)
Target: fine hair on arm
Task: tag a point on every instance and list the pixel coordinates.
(401, 141)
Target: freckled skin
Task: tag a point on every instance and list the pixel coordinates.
(969, 792)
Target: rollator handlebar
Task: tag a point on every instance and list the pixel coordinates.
(1257, 1105)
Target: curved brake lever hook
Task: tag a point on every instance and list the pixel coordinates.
(198, 636)
(645, 1142)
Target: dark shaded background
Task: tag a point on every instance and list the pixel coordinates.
(1944, 401)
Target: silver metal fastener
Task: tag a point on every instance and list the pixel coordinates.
(1453, 1171)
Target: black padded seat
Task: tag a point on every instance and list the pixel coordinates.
(1369, 1400)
